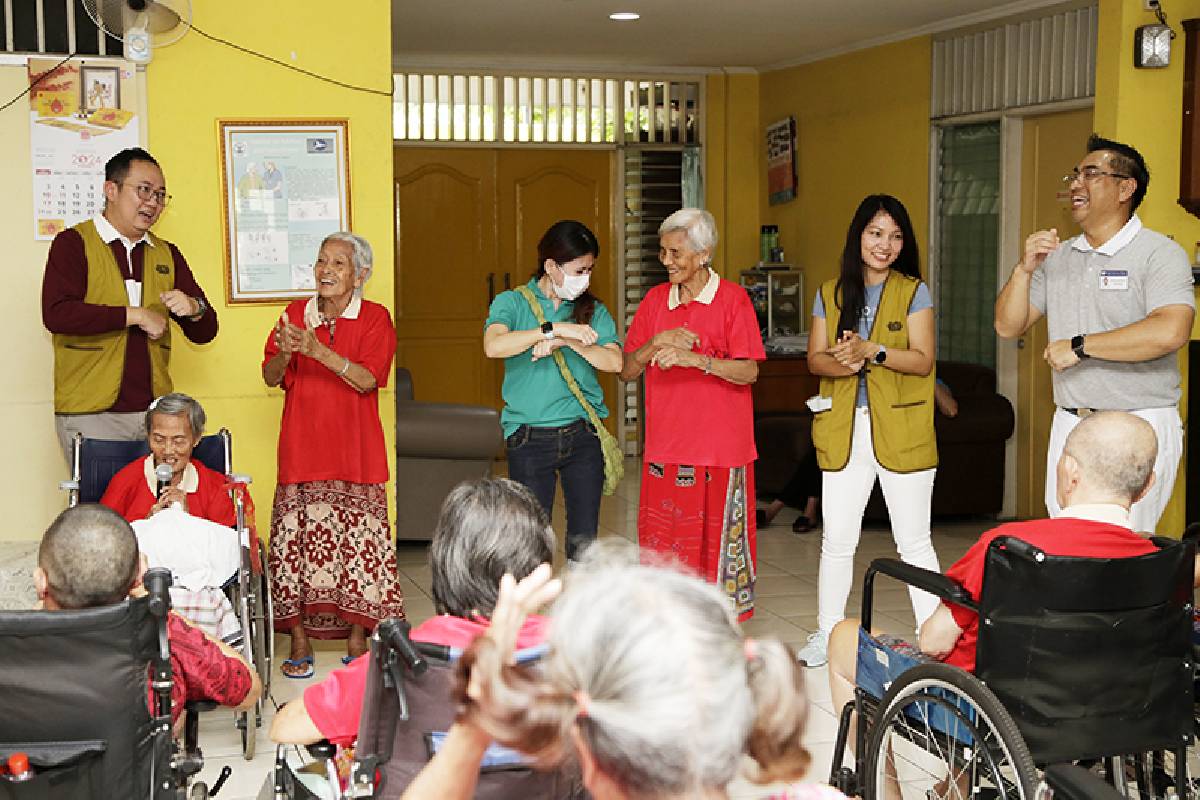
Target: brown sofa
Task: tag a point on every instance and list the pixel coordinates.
(438, 445)
(970, 478)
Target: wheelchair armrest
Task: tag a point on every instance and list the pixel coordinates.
(68, 486)
(1072, 782)
(935, 583)
(322, 750)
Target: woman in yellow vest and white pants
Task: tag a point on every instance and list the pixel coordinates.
(872, 342)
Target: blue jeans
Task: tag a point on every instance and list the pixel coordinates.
(537, 456)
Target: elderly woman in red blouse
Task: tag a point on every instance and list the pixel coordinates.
(333, 562)
(697, 340)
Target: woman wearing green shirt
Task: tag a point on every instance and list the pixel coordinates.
(547, 432)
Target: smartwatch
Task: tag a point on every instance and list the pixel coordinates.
(548, 330)
(881, 356)
(1077, 346)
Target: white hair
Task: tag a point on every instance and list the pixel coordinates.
(698, 224)
(360, 251)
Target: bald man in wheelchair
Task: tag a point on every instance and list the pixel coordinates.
(1107, 465)
(89, 557)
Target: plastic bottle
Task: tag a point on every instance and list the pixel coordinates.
(764, 243)
(18, 768)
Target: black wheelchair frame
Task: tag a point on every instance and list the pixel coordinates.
(1068, 669)
(96, 461)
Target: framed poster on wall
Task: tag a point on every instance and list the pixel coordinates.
(781, 161)
(285, 186)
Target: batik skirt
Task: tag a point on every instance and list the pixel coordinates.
(332, 558)
(702, 518)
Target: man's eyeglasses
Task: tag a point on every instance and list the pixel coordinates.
(1089, 174)
(145, 191)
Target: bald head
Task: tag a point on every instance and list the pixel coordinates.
(1113, 456)
(89, 557)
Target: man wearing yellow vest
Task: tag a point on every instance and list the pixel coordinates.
(110, 289)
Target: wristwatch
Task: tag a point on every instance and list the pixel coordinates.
(201, 308)
(881, 356)
(1077, 346)
(548, 330)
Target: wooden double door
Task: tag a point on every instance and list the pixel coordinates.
(468, 221)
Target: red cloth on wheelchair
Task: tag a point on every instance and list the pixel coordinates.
(335, 704)
(200, 670)
(1063, 536)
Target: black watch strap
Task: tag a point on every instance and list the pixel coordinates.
(1077, 346)
(547, 328)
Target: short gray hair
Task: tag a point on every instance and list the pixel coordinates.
(487, 527)
(698, 224)
(90, 557)
(360, 251)
(178, 403)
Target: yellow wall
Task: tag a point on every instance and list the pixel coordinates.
(1143, 107)
(734, 163)
(862, 127)
(191, 85)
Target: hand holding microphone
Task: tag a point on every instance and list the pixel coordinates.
(166, 493)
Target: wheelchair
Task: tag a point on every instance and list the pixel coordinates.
(73, 697)
(1078, 660)
(406, 709)
(94, 462)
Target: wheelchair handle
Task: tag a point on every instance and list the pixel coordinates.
(1021, 548)
(157, 581)
(394, 634)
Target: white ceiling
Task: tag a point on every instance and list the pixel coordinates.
(760, 34)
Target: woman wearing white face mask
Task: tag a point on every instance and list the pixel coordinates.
(546, 428)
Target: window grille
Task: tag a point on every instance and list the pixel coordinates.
(51, 27)
(544, 109)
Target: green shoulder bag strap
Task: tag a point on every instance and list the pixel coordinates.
(614, 459)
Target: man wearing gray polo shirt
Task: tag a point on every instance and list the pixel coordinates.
(1118, 302)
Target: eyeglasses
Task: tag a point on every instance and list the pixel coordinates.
(1089, 174)
(145, 191)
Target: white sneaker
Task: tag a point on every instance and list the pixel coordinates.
(815, 651)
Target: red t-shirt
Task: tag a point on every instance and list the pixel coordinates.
(129, 495)
(693, 418)
(1063, 536)
(335, 704)
(200, 671)
(329, 430)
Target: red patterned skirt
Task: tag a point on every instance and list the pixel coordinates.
(333, 562)
(702, 517)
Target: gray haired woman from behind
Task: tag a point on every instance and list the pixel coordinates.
(648, 683)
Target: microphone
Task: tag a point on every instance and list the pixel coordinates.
(163, 473)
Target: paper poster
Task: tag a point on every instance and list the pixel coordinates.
(72, 134)
(285, 190)
(781, 161)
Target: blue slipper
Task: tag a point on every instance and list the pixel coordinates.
(347, 660)
(298, 662)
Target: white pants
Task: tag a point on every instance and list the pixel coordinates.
(844, 496)
(1168, 427)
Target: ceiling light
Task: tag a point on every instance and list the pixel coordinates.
(624, 16)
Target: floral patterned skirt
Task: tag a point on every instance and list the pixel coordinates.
(332, 558)
(702, 517)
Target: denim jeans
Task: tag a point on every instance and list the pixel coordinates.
(538, 456)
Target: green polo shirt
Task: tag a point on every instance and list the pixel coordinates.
(534, 391)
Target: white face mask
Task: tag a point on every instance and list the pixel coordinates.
(572, 285)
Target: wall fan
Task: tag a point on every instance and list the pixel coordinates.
(141, 25)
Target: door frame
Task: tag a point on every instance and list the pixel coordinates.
(1012, 121)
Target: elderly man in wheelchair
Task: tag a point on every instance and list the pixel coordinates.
(1083, 653)
(92, 683)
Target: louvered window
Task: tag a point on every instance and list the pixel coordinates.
(51, 27)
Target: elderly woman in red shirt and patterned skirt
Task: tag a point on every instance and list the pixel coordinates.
(333, 562)
(697, 340)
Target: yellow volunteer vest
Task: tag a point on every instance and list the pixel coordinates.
(901, 405)
(88, 367)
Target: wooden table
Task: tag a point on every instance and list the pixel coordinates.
(783, 384)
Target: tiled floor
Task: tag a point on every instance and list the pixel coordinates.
(787, 608)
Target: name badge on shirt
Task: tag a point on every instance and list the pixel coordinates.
(1114, 280)
(134, 290)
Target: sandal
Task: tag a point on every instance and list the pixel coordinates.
(298, 662)
(802, 525)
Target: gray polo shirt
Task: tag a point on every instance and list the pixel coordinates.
(1085, 290)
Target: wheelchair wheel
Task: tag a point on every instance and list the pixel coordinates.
(254, 612)
(265, 612)
(940, 733)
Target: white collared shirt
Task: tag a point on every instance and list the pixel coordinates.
(108, 233)
(312, 311)
(188, 484)
(706, 294)
(1110, 248)
(1111, 513)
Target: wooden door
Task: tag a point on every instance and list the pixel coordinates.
(468, 221)
(537, 188)
(1051, 146)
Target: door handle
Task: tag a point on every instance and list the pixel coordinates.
(507, 280)
(491, 286)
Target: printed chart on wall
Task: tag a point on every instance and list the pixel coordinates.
(285, 187)
(79, 117)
